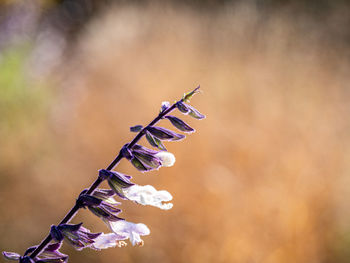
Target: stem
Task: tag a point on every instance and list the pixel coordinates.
(98, 181)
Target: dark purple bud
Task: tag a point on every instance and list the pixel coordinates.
(11, 255)
(88, 200)
(103, 174)
(56, 233)
(165, 134)
(182, 107)
(154, 141)
(125, 152)
(26, 259)
(136, 128)
(181, 125)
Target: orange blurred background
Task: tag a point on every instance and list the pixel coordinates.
(266, 177)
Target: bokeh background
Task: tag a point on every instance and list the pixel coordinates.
(266, 177)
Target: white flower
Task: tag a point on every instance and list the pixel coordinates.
(127, 230)
(104, 241)
(148, 195)
(167, 158)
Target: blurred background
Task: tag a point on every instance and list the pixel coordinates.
(266, 177)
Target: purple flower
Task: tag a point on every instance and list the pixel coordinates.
(78, 236)
(49, 254)
(101, 203)
(180, 124)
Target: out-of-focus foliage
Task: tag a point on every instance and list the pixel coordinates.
(265, 177)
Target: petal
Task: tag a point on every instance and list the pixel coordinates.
(147, 159)
(119, 178)
(106, 195)
(140, 148)
(165, 134)
(154, 141)
(108, 240)
(88, 200)
(130, 230)
(167, 158)
(136, 128)
(69, 228)
(11, 255)
(105, 214)
(195, 113)
(180, 124)
(51, 254)
(139, 165)
(182, 107)
(148, 195)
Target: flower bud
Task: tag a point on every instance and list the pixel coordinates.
(180, 124)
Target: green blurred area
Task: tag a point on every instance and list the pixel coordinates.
(265, 177)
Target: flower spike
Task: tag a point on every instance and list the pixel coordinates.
(101, 202)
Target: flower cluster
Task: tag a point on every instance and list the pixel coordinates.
(101, 202)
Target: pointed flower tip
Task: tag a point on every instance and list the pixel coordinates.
(189, 95)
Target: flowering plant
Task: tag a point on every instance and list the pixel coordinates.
(101, 202)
